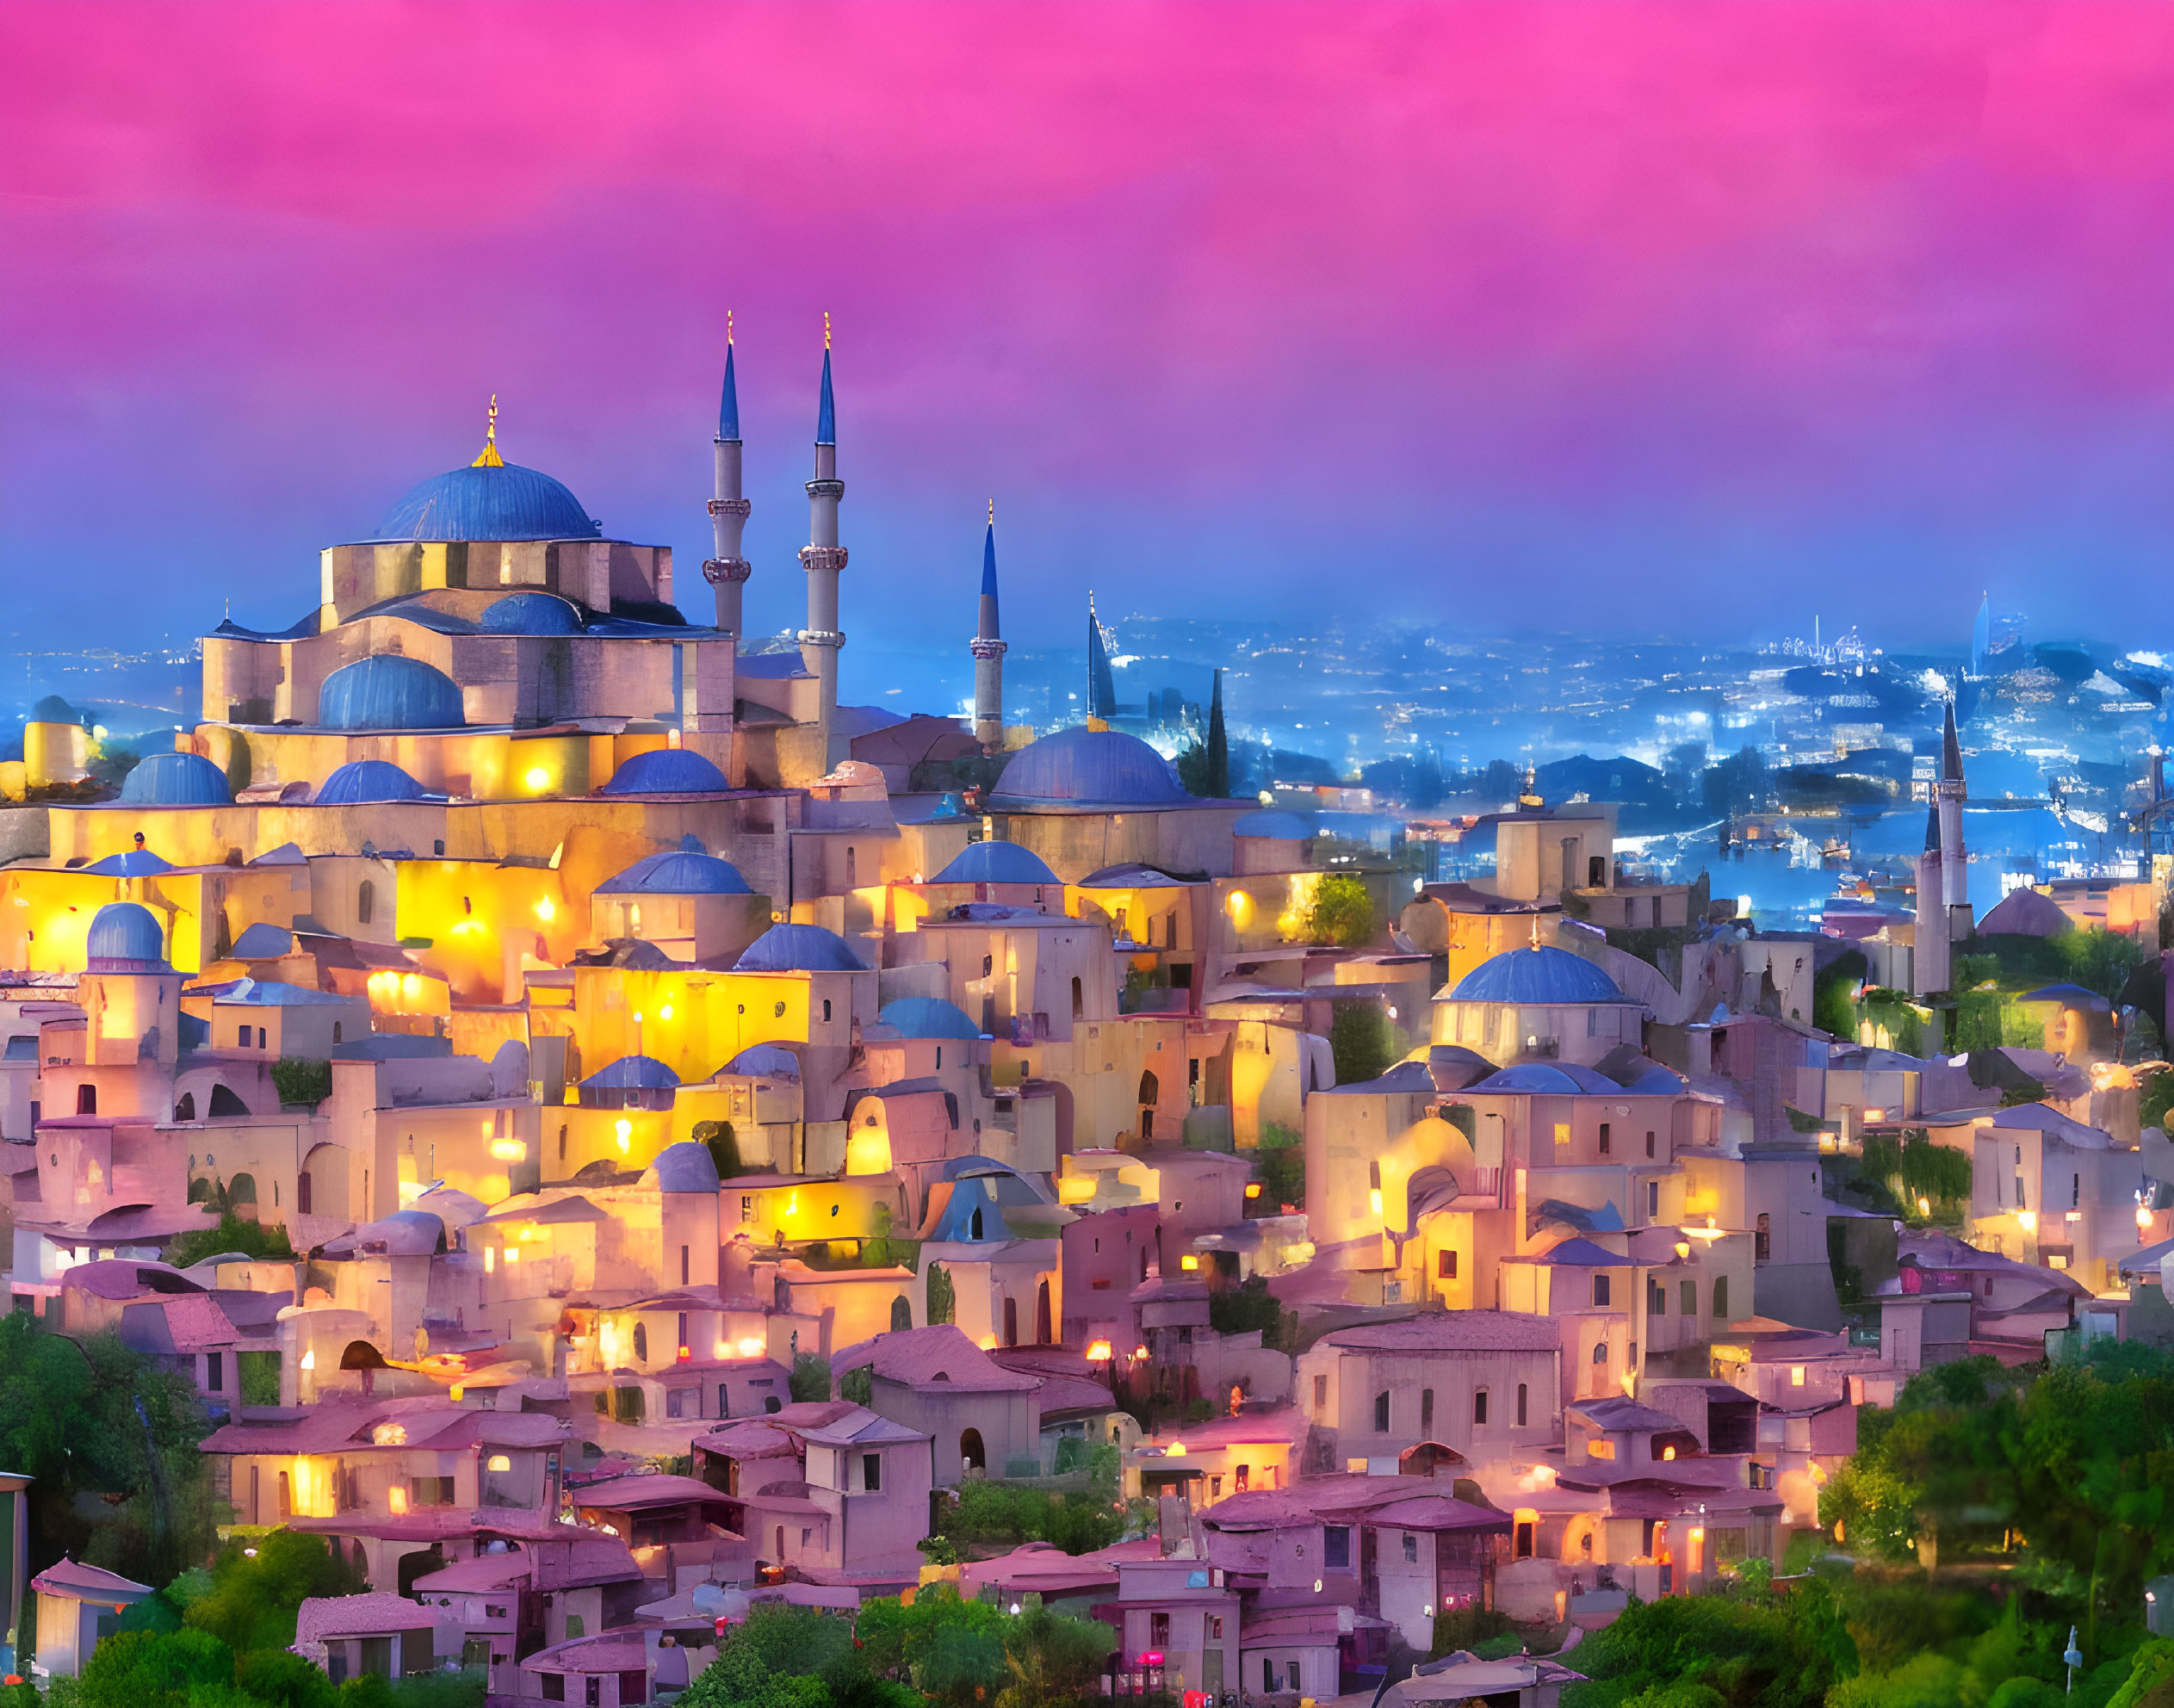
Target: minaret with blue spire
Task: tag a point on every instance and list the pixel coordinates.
(728, 571)
(822, 557)
(988, 652)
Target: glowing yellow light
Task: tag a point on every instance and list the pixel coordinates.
(528, 1231)
(2143, 1215)
(1668, 1452)
(721, 1349)
(513, 1253)
(1098, 1350)
(396, 1497)
(1924, 1208)
(498, 1462)
(537, 777)
(686, 1352)
(624, 1130)
(792, 1203)
(637, 1016)
(751, 1345)
(1188, 1262)
(1373, 1201)
(1683, 1248)
(456, 1393)
(1253, 1189)
(1697, 1531)
(1139, 1352)
(1796, 1376)
(544, 910)
(411, 985)
(510, 1150)
(988, 1343)
(490, 1260)
(665, 1012)
(2025, 1219)
(1175, 1451)
(309, 1358)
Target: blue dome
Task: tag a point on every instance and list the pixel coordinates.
(1555, 1079)
(685, 1168)
(996, 862)
(1079, 766)
(503, 503)
(928, 1016)
(530, 613)
(1537, 977)
(175, 780)
(135, 863)
(667, 770)
(678, 872)
(766, 1061)
(125, 937)
(389, 692)
(632, 1073)
(1274, 827)
(360, 781)
(799, 948)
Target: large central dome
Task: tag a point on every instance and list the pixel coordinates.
(501, 501)
(1081, 766)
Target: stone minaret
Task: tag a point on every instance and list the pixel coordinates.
(1949, 792)
(1932, 959)
(988, 652)
(822, 557)
(727, 570)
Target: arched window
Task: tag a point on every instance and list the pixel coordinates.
(185, 1106)
(1600, 1353)
(242, 1190)
(86, 1099)
(1523, 1392)
(973, 1455)
(901, 1315)
(1011, 1323)
(973, 1226)
(774, 1404)
(224, 1102)
(365, 901)
(1044, 1327)
(1079, 1000)
(641, 1343)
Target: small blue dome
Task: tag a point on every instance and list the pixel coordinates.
(1272, 826)
(1080, 766)
(996, 862)
(175, 780)
(387, 691)
(766, 1061)
(362, 782)
(503, 503)
(125, 937)
(135, 863)
(685, 1168)
(530, 613)
(799, 948)
(667, 770)
(1537, 977)
(928, 1016)
(678, 872)
(631, 1073)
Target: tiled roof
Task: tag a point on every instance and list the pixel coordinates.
(1438, 1511)
(1454, 1331)
(372, 1615)
(77, 1582)
(625, 1493)
(938, 1356)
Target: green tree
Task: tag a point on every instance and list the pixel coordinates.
(1340, 912)
(256, 1588)
(92, 1417)
(1279, 1165)
(943, 1298)
(280, 1679)
(810, 1379)
(1359, 1040)
(153, 1669)
(232, 1232)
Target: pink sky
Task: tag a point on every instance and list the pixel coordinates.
(1615, 316)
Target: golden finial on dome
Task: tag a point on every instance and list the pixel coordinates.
(991, 512)
(728, 325)
(826, 329)
(491, 459)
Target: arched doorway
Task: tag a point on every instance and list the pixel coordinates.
(972, 1454)
(1079, 1000)
(901, 1315)
(1042, 1325)
(1150, 1094)
(1011, 1323)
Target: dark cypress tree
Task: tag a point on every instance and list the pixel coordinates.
(1219, 746)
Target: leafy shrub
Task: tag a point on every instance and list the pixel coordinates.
(1341, 913)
